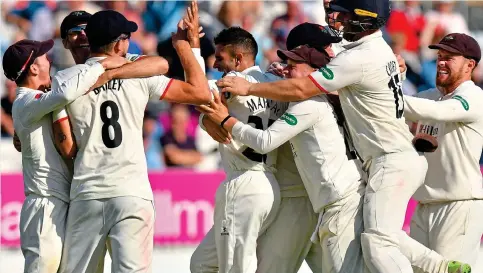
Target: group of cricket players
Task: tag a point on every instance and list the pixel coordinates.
(319, 150)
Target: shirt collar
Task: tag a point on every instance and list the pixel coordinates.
(252, 68)
(462, 86)
(22, 90)
(365, 39)
(92, 60)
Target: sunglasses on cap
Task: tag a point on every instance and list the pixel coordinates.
(76, 30)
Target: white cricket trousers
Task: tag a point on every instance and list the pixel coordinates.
(42, 233)
(124, 225)
(393, 179)
(286, 243)
(246, 204)
(339, 233)
(452, 229)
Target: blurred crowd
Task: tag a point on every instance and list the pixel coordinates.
(171, 134)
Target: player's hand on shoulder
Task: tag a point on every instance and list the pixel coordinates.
(277, 69)
(113, 62)
(235, 85)
(402, 63)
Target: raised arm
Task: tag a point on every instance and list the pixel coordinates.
(63, 136)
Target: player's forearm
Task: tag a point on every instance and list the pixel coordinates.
(450, 110)
(145, 66)
(199, 59)
(286, 90)
(63, 139)
(195, 75)
(261, 141)
(7, 123)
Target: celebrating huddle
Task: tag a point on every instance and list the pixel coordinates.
(320, 161)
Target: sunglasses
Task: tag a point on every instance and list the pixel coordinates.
(76, 30)
(24, 66)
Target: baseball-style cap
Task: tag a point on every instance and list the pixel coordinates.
(314, 35)
(306, 54)
(73, 20)
(106, 26)
(460, 43)
(366, 8)
(19, 56)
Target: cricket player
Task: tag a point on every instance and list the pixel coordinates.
(46, 175)
(111, 198)
(248, 199)
(332, 180)
(296, 212)
(367, 78)
(448, 216)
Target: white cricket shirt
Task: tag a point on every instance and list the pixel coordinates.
(107, 124)
(251, 110)
(287, 174)
(456, 120)
(318, 148)
(44, 170)
(367, 77)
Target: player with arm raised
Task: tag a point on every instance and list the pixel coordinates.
(46, 175)
(111, 197)
(332, 180)
(367, 78)
(250, 185)
(450, 201)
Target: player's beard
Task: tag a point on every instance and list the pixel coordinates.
(447, 80)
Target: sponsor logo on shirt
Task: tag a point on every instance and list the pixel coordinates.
(465, 104)
(326, 72)
(289, 119)
(38, 96)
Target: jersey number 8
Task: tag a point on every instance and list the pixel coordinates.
(249, 152)
(116, 139)
(396, 87)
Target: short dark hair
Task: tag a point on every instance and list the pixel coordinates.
(103, 49)
(237, 36)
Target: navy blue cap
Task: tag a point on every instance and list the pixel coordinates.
(365, 8)
(106, 26)
(72, 20)
(314, 35)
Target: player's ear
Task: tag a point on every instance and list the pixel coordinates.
(471, 65)
(238, 58)
(65, 43)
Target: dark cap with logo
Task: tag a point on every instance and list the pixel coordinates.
(366, 8)
(461, 44)
(72, 20)
(19, 56)
(314, 35)
(306, 54)
(106, 26)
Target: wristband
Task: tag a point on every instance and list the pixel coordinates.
(225, 120)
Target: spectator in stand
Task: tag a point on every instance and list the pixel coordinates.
(6, 111)
(404, 27)
(443, 17)
(152, 132)
(179, 147)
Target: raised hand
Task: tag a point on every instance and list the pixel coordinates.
(180, 36)
(192, 24)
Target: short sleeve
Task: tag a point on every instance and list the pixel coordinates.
(59, 115)
(339, 73)
(158, 86)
